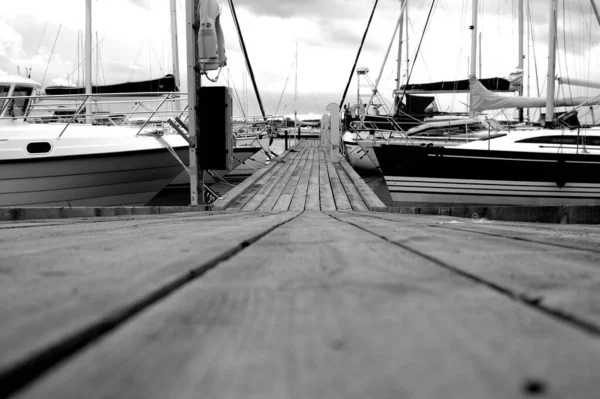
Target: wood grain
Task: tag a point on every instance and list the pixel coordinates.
(57, 280)
(322, 309)
(564, 280)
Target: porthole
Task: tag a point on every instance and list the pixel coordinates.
(39, 148)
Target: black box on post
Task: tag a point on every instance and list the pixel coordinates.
(215, 150)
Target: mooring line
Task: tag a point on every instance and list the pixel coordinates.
(533, 302)
(26, 371)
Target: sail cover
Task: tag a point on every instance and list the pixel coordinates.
(164, 84)
(510, 83)
(482, 99)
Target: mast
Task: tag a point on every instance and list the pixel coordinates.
(296, 92)
(174, 43)
(473, 28)
(480, 57)
(88, 47)
(88, 56)
(521, 55)
(551, 64)
(399, 67)
(400, 32)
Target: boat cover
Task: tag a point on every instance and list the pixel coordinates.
(510, 83)
(482, 99)
(164, 84)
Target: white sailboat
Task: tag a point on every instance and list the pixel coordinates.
(551, 166)
(73, 164)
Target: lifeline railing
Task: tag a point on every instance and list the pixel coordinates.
(138, 110)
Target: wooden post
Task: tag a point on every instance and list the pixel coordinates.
(334, 145)
(194, 84)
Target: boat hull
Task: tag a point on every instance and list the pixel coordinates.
(454, 176)
(109, 179)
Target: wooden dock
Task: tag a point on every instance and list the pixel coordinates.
(297, 290)
(303, 178)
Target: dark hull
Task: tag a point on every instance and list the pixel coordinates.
(438, 175)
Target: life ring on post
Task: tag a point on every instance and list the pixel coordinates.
(211, 43)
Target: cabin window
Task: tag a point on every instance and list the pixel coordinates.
(589, 140)
(564, 140)
(3, 93)
(17, 106)
(39, 148)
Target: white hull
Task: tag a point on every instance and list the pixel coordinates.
(126, 178)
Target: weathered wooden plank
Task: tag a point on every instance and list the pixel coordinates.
(285, 200)
(248, 194)
(342, 202)
(312, 194)
(325, 191)
(581, 236)
(561, 280)
(299, 198)
(371, 199)
(258, 198)
(241, 188)
(355, 199)
(270, 200)
(289, 321)
(56, 281)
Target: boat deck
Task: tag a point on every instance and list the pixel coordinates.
(304, 302)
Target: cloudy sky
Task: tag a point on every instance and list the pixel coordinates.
(133, 42)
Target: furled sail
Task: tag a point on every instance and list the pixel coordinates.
(482, 99)
(507, 84)
(146, 87)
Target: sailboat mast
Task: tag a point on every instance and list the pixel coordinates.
(88, 46)
(400, 32)
(174, 43)
(551, 64)
(521, 55)
(473, 28)
(399, 65)
(296, 91)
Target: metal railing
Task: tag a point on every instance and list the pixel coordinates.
(140, 110)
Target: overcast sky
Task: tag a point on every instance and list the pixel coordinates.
(134, 44)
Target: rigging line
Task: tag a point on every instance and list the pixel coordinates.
(565, 48)
(81, 61)
(537, 77)
(246, 58)
(237, 97)
(51, 52)
(412, 67)
(283, 92)
(41, 37)
(362, 42)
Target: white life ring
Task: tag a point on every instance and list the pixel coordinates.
(357, 110)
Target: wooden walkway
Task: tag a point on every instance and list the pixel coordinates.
(303, 178)
(298, 304)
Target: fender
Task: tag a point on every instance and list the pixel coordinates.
(211, 43)
(357, 110)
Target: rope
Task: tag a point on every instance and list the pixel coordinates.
(246, 58)
(358, 54)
